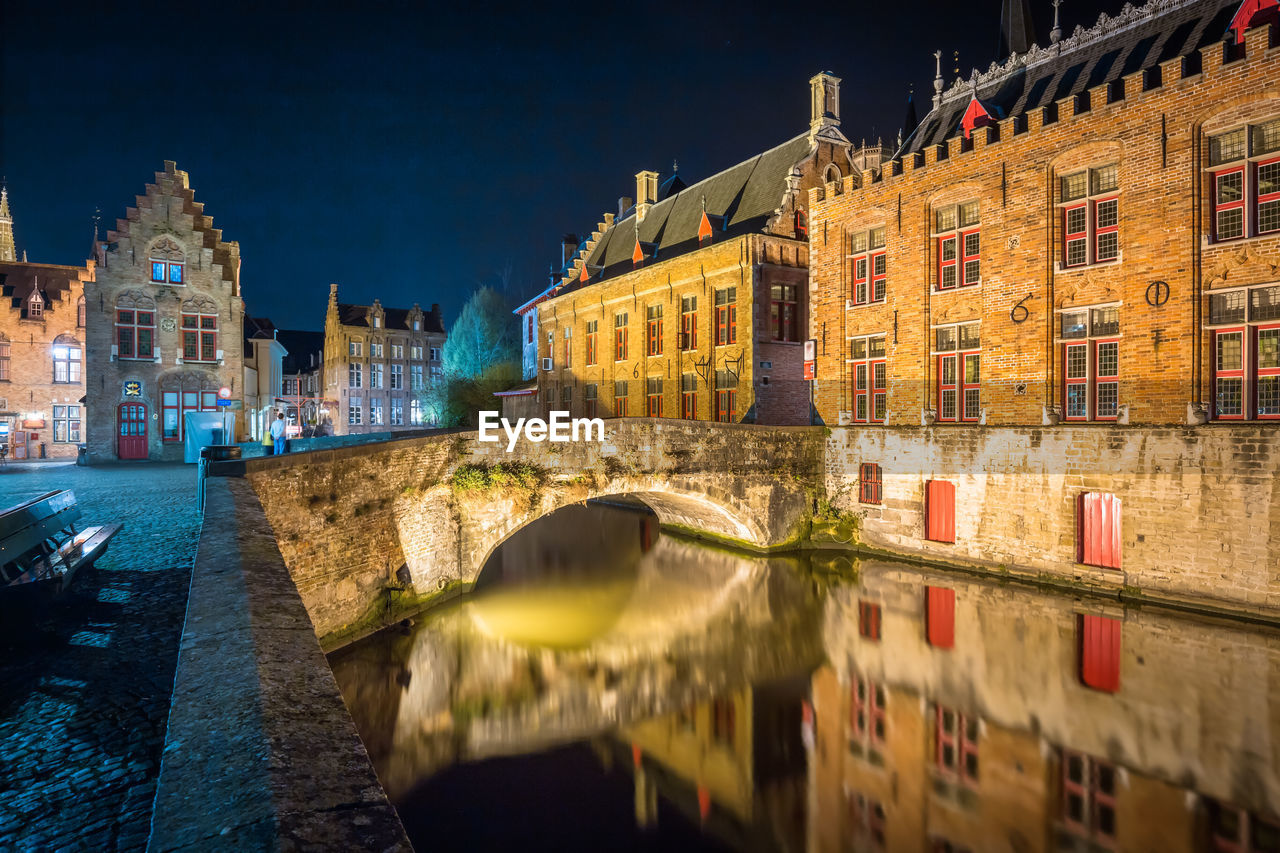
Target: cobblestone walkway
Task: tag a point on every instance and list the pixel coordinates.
(84, 700)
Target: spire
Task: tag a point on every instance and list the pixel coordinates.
(1055, 34)
(8, 252)
(937, 79)
(911, 121)
(1017, 32)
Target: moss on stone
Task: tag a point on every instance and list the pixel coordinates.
(388, 609)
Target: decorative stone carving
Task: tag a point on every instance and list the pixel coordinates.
(1246, 259)
(166, 249)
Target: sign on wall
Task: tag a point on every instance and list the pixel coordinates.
(132, 388)
(810, 359)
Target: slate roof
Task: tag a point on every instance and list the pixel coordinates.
(18, 279)
(1138, 38)
(745, 196)
(393, 318)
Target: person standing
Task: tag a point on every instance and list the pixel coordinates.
(277, 433)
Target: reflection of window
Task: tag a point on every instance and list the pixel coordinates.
(869, 620)
(1090, 363)
(868, 266)
(1244, 166)
(135, 333)
(723, 721)
(866, 710)
(959, 245)
(66, 361)
(1245, 354)
(866, 819)
(1090, 216)
(958, 350)
(66, 424)
(1237, 830)
(1089, 797)
(957, 744)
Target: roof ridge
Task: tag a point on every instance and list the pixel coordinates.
(1107, 25)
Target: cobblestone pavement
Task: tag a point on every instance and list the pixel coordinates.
(84, 693)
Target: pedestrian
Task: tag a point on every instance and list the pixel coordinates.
(277, 433)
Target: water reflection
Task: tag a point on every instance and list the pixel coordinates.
(623, 689)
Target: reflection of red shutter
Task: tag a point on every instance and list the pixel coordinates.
(1098, 530)
(940, 511)
(1100, 652)
(940, 616)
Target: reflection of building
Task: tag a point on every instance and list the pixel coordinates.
(165, 324)
(263, 360)
(691, 302)
(968, 717)
(42, 381)
(379, 363)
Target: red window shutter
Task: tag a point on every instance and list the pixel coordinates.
(940, 511)
(1100, 653)
(1098, 530)
(940, 616)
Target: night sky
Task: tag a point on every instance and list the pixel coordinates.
(412, 155)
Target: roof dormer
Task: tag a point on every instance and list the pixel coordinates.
(377, 317)
(35, 305)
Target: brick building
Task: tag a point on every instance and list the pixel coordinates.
(42, 334)
(1087, 232)
(165, 322)
(711, 278)
(303, 380)
(379, 363)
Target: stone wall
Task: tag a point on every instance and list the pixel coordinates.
(348, 519)
(1200, 506)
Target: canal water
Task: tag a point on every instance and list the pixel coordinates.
(611, 687)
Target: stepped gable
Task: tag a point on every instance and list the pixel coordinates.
(745, 197)
(1139, 37)
(174, 182)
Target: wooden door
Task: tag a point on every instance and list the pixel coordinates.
(133, 431)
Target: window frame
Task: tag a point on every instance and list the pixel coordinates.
(869, 368)
(592, 354)
(784, 313)
(958, 237)
(132, 328)
(653, 330)
(689, 396)
(167, 277)
(868, 700)
(1090, 202)
(1250, 373)
(620, 336)
(620, 394)
(960, 385)
(726, 316)
(961, 743)
(1091, 797)
(72, 369)
(65, 421)
(867, 247)
(204, 334)
(1247, 167)
(870, 486)
(653, 398)
(870, 620)
(688, 323)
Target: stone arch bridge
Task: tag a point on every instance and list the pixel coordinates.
(369, 530)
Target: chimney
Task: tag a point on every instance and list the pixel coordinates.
(824, 102)
(568, 248)
(624, 204)
(646, 193)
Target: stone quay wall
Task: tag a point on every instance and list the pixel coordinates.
(1200, 507)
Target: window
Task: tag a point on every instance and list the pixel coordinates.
(355, 375)
(80, 312)
(417, 325)
(35, 306)
(1089, 797)
(415, 412)
(4, 361)
(199, 337)
(591, 334)
(959, 246)
(1244, 166)
(375, 376)
(802, 223)
(620, 398)
(866, 710)
(1090, 216)
(723, 721)
(170, 272)
(415, 377)
(568, 347)
(355, 348)
(653, 326)
(397, 377)
(435, 353)
(620, 337)
(1098, 540)
(653, 395)
(175, 404)
(375, 411)
(566, 396)
(869, 620)
(66, 360)
(1236, 830)
(870, 384)
(436, 372)
(1099, 652)
(1091, 367)
(688, 323)
(868, 266)
(1246, 353)
(589, 393)
(726, 316)
(869, 483)
(940, 617)
(66, 424)
(957, 744)
(726, 396)
(397, 350)
(135, 334)
(375, 349)
(354, 411)
(689, 396)
(958, 352)
(783, 312)
(415, 352)
(377, 322)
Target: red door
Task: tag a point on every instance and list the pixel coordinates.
(133, 431)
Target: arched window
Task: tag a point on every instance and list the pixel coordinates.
(832, 174)
(66, 359)
(80, 313)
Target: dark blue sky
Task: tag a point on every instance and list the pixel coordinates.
(411, 154)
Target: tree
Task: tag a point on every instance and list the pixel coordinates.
(481, 356)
